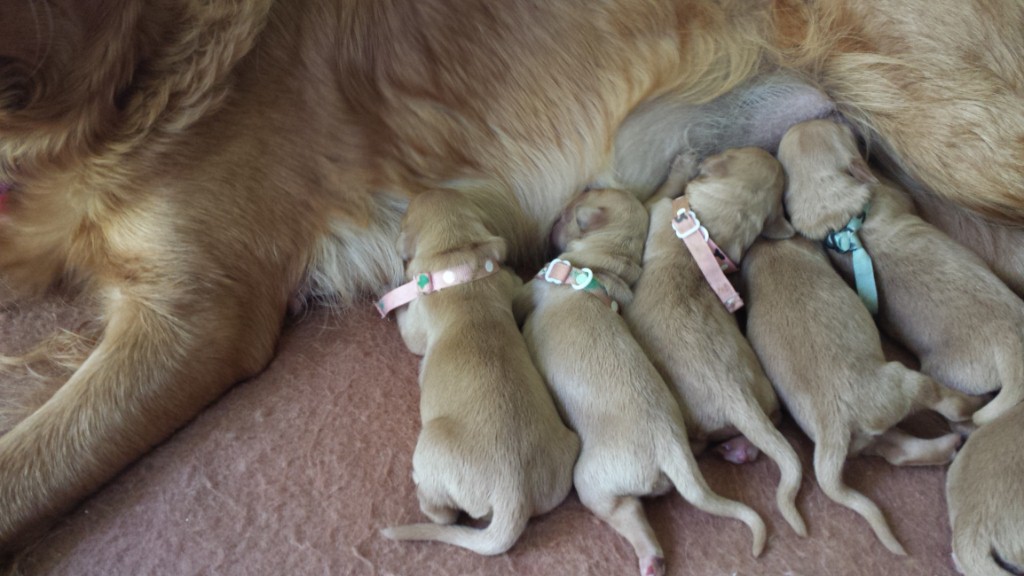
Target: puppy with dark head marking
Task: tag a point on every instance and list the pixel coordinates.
(690, 336)
(935, 296)
(634, 438)
(492, 442)
(986, 499)
(821, 350)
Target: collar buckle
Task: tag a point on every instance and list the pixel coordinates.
(562, 273)
(682, 215)
(550, 269)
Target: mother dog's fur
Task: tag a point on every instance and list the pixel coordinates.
(194, 165)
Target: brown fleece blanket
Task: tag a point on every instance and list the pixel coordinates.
(295, 471)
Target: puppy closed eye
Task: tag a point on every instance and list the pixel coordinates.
(590, 218)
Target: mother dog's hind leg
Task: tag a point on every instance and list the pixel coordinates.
(162, 357)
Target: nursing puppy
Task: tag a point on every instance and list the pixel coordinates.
(135, 168)
(690, 337)
(936, 297)
(986, 498)
(821, 350)
(634, 438)
(492, 443)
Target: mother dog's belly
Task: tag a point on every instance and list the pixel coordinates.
(755, 114)
(522, 125)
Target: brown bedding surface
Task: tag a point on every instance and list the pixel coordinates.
(295, 471)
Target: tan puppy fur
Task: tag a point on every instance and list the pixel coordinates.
(690, 337)
(634, 438)
(1000, 246)
(492, 442)
(821, 350)
(936, 297)
(195, 165)
(986, 498)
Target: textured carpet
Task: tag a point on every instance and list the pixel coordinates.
(295, 471)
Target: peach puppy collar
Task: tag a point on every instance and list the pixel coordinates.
(711, 259)
(429, 282)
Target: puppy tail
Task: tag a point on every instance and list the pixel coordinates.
(1011, 372)
(758, 428)
(681, 468)
(504, 530)
(829, 457)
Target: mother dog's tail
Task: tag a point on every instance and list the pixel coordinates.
(507, 524)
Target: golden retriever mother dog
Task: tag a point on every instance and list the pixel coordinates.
(193, 166)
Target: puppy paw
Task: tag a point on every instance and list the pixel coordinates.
(685, 166)
(953, 441)
(964, 429)
(738, 450)
(652, 566)
(439, 514)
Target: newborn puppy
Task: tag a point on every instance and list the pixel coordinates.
(935, 296)
(689, 335)
(821, 350)
(492, 442)
(634, 438)
(986, 499)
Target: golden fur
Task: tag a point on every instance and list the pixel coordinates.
(632, 430)
(997, 244)
(689, 336)
(986, 499)
(936, 297)
(821, 350)
(492, 443)
(193, 166)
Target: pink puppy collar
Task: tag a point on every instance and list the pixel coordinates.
(428, 282)
(711, 259)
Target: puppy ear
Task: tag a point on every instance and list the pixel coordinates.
(406, 245)
(494, 249)
(858, 168)
(715, 167)
(777, 228)
(590, 217)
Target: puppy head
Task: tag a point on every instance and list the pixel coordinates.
(615, 214)
(442, 229)
(829, 181)
(737, 195)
